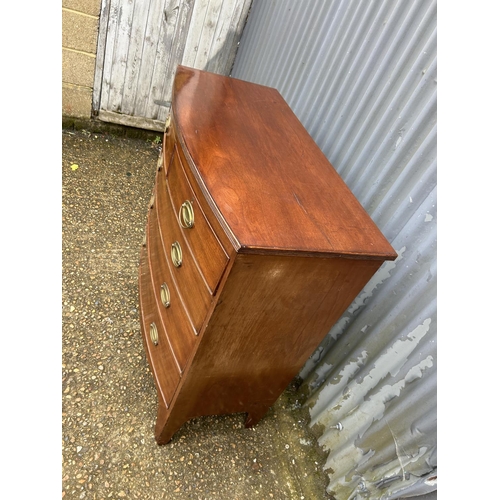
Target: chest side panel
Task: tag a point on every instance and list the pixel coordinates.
(271, 315)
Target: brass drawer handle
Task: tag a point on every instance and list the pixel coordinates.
(186, 215)
(176, 254)
(153, 333)
(165, 295)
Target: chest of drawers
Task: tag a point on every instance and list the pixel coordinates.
(254, 248)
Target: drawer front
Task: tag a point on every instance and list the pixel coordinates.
(160, 357)
(193, 290)
(204, 244)
(180, 331)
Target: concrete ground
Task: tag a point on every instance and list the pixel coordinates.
(109, 398)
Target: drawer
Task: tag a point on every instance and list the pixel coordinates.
(179, 329)
(160, 357)
(201, 239)
(193, 289)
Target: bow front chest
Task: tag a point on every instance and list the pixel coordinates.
(254, 248)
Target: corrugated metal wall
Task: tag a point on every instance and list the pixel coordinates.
(361, 76)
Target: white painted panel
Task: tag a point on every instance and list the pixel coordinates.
(142, 91)
(214, 32)
(140, 44)
(362, 78)
(119, 48)
(143, 43)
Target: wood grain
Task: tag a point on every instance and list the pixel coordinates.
(271, 315)
(142, 42)
(215, 30)
(265, 174)
(281, 251)
(225, 238)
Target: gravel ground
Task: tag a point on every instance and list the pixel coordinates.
(108, 394)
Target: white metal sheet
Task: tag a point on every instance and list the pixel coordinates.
(362, 78)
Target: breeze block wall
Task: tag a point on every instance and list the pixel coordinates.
(80, 22)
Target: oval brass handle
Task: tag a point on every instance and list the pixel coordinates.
(186, 215)
(153, 333)
(165, 295)
(176, 254)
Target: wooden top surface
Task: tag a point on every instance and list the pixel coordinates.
(261, 171)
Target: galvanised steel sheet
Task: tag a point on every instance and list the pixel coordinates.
(362, 77)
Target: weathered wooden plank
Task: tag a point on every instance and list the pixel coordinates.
(202, 32)
(136, 56)
(183, 21)
(121, 44)
(132, 121)
(214, 33)
(193, 37)
(220, 33)
(101, 49)
(227, 37)
(239, 23)
(110, 35)
(157, 100)
(157, 48)
(141, 43)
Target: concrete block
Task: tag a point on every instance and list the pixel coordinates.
(78, 68)
(76, 101)
(79, 32)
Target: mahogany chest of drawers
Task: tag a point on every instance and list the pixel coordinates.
(254, 248)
